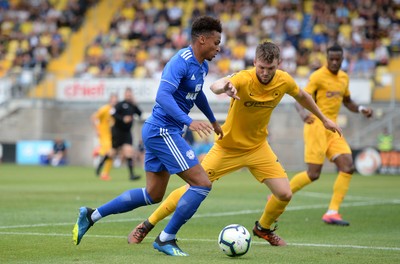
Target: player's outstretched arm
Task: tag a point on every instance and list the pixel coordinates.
(305, 115)
(353, 107)
(223, 85)
(305, 100)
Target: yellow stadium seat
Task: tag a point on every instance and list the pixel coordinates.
(65, 33)
(302, 71)
(26, 27)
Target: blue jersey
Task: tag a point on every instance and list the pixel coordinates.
(183, 78)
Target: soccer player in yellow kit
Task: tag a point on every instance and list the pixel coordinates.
(256, 93)
(329, 87)
(102, 121)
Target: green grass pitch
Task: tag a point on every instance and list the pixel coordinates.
(39, 206)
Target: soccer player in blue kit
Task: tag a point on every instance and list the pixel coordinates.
(167, 152)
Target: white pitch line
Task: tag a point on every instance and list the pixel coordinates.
(209, 240)
(242, 212)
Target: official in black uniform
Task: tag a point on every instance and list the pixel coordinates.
(121, 131)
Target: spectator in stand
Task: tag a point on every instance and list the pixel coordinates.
(364, 67)
(163, 27)
(288, 53)
(381, 52)
(385, 140)
(58, 156)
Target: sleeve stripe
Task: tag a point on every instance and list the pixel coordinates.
(187, 55)
(164, 80)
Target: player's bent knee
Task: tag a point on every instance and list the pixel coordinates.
(313, 176)
(348, 169)
(156, 199)
(286, 196)
(206, 183)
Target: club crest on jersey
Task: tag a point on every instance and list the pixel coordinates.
(276, 93)
(210, 173)
(190, 154)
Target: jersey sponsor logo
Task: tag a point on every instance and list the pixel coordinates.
(187, 55)
(333, 94)
(190, 154)
(259, 104)
(193, 78)
(191, 96)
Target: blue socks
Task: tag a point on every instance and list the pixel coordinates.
(126, 202)
(185, 209)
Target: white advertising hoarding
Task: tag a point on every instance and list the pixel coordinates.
(80, 90)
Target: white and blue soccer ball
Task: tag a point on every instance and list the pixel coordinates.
(234, 240)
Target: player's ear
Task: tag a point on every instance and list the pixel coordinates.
(202, 39)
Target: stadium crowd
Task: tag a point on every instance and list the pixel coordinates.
(144, 34)
(33, 33)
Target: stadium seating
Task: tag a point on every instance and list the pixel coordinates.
(242, 20)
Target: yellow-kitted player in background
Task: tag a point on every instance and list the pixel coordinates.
(102, 122)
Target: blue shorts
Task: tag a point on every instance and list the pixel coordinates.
(166, 149)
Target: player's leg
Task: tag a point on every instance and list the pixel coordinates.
(166, 208)
(315, 146)
(304, 178)
(188, 204)
(216, 163)
(125, 202)
(128, 153)
(344, 163)
(109, 155)
(106, 150)
(177, 157)
(265, 167)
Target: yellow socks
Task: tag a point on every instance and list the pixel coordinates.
(273, 209)
(340, 189)
(107, 166)
(299, 181)
(168, 206)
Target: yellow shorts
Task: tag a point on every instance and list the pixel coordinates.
(262, 162)
(320, 143)
(105, 144)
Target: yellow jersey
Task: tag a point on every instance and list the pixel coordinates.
(328, 90)
(246, 124)
(105, 121)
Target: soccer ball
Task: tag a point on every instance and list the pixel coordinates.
(368, 161)
(234, 240)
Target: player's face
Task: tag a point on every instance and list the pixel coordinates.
(128, 95)
(335, 59)
(211, 45)
(265, 71)
(113, 100)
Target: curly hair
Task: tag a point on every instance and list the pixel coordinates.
(334, 48)
(205, 25)
(268, 52)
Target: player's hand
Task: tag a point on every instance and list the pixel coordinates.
(127, 118)
(203, 128)
(332, 126)
(218, 130)
(367, 112)
(308, 119)
(231, 91)
(306, 116)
